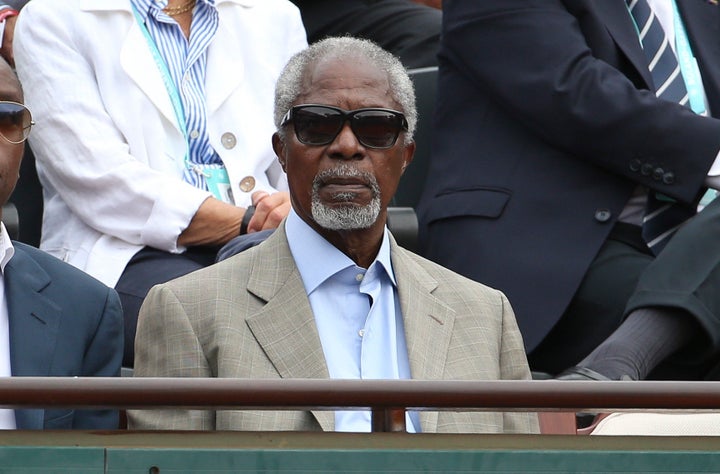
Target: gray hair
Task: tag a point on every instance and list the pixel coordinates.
(290, 82)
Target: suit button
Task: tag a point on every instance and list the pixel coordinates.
(635, 165)
(668, 178)
(658, 174)
(603, 215)
(247, 184)
(228, 140)
(646, 169)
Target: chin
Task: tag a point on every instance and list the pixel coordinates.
(348, 216)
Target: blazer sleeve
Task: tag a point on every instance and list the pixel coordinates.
(514, 366)
(103, 357)
(166, 345)
(549, 76)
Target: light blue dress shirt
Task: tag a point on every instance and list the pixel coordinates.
(357, 313)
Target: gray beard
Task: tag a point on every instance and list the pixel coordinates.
(350, 217)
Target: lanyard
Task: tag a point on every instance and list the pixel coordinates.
(688, 65)
(167, 80)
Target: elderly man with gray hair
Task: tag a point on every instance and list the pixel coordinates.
(330, 294)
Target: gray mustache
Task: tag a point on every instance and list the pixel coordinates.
(346, 171)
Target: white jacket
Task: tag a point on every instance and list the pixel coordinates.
(108, 147)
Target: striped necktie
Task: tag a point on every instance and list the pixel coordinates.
(663, 216)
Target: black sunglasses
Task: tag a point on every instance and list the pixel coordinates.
(15, 121)
(320, 124)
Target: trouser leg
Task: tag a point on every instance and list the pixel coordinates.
(146, 269)
(686, 274)
(598, 307)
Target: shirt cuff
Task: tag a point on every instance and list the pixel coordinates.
(713, 175)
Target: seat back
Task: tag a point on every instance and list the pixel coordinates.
(402, 220)
(10, 219)
(413, 181)
(28, 201)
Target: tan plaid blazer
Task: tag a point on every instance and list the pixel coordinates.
(249, 317)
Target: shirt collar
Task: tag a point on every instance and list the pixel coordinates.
(124, 5)
(317, 259)
(6, 247)
(144, 6)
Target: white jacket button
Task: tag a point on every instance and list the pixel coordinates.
(228, 140)
(247, 184)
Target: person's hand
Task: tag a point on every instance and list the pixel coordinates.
(6, 50)
(270, 210)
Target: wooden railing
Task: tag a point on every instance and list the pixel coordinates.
(388, 399)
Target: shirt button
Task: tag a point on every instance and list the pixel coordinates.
(359, 277)
(228, 140)
(361, 332)
(247, 184)
(194, 134)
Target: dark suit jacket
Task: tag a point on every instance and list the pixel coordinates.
(63, 323)
(409, 30)
(545, 126)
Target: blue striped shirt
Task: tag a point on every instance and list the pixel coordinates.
(186, 61)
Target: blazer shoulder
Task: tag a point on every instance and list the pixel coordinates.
(62, 273)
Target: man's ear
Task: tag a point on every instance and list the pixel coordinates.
(408, 154)
(278, 145)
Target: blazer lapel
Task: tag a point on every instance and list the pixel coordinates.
(225, 61)
(137, 59)
(34, 320)
(428, 324)
(285, 327)
(619, 24)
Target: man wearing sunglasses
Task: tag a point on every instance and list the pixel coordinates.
(330, 294)
(55, 320)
